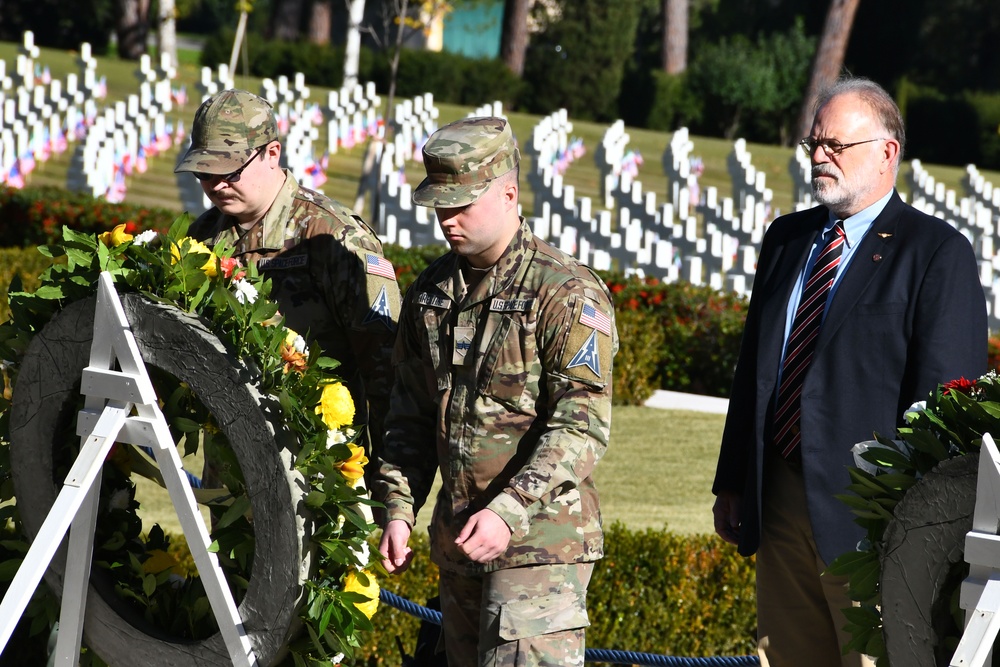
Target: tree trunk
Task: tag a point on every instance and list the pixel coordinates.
(514, 39)
(352, 44)
(132, 27)
(829, 57)
(319, 21)
(287, 19)
(675, 36)
(167, 30)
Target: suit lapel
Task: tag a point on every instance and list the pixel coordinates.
(875, 252)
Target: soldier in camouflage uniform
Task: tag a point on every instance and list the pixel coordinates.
(503, 383)
(326, 265)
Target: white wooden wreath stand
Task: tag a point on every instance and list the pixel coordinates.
(107, 417)
(980, 595)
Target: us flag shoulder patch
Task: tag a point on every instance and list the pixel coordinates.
(379, 266)
(595, 319)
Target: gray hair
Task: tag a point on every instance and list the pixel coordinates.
(876, 99)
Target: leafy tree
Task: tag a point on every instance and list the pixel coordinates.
(579, 61)
(752, 88)
(57, 23)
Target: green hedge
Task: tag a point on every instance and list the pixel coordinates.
(450, 77)
(654, 591)
(951, 129)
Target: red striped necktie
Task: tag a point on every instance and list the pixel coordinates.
(802, 341)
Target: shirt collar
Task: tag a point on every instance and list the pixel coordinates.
(856, 226)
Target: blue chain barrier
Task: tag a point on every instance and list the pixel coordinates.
(593, 654)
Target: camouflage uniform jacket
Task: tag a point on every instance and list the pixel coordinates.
(512, 383)
(330, 281)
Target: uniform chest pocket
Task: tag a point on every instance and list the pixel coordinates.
(434, 326)
(510, 369)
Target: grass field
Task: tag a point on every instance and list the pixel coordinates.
(657, 473)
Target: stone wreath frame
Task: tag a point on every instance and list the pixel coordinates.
(923, 545)
(43, 403)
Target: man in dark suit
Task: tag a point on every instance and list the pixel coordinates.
(860, 307)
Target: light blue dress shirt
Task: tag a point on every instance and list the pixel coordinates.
(855, 228)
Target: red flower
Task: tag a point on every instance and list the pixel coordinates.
(229, 266)
(961, 385)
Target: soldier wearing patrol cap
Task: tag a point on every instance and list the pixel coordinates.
(503, 384)
(328, 273)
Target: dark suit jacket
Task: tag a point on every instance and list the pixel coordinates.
(909, 313)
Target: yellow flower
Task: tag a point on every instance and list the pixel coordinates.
(193, 246)
(353, 585)
(159, 560)
(116, 236)
(353, 468)
(336, 406)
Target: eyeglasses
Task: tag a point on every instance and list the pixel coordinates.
(829, 146)
(233, 177)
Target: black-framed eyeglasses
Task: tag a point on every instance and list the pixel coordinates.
(232, 177)
(829, 146)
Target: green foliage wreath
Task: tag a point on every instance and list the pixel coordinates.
(949, 424)
(232, 300)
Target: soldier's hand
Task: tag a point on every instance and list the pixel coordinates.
(484, 537)
(396, 555)
(726, 512)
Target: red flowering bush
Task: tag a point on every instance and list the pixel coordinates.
(36, 216)
(701, 330)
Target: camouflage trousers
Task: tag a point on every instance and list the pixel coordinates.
(532, 616)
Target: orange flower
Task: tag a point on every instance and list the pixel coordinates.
(353, 468)
(229, 266)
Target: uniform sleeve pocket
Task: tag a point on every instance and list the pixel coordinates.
(543, 615)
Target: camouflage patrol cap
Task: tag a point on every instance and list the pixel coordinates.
(461, 160)
(228, 127)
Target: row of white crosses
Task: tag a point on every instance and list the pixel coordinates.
(38, 118)
(974, 214)
(402, 222)
(352, 116)
(123, 136)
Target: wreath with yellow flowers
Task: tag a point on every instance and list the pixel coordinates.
(152, 578)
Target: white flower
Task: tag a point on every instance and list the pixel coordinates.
(334, 437)
(142, 238)
(119, 500)
(245, 292)
(363, 555)
(300, 345)
(914, 411)
(337, 659)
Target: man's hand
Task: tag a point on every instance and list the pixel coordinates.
(396, 555)
(727, 516)
(484, 537)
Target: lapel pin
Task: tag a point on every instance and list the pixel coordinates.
(884, 235)
(876, 257)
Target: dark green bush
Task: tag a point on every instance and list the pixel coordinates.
(450, 77)
(636, 367)
(951, 129)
